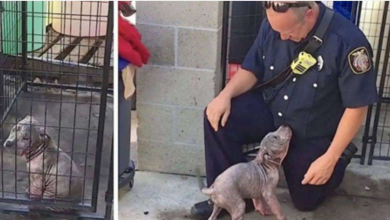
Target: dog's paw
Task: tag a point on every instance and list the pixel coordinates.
(34, 196)
(262, 208)
(265, 212)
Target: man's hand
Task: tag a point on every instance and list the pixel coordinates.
(242, 81)
(220, 106)
(320, 170)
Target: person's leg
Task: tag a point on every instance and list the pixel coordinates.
(298, 160)
(249, 121)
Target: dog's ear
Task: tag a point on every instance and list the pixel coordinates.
(27, 118)
(34, 129)
(26, 130)
(35, 125)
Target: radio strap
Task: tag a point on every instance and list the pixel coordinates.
(314, 43)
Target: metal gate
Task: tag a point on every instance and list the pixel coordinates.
(56, 66)
(377, 135)
(241, 21)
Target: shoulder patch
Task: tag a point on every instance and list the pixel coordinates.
(359, 60)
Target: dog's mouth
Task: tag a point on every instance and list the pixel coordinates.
(14, 149)
(11, 150)
(9, 144)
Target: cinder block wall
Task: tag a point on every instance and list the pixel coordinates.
(183, 75)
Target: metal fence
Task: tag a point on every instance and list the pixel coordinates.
(241, 22)
(56, 66)
(377, 124)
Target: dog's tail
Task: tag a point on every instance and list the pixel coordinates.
(202, 186)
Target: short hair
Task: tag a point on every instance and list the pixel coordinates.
(300, 11)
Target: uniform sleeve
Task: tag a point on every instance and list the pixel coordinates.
(357, 79)
(253, 61)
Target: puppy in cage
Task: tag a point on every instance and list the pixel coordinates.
(50, 169)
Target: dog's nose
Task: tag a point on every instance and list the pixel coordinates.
(9, 143)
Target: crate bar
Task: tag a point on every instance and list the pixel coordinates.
(9, 107)
(225, 36)
(103, 101)
(110, 188)
(8, 209)
(53, 203)
(24, 40)
(63, 86)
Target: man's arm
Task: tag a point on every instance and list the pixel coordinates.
(357, 84)
(321, 169)
(348, 127)
(252, 67)
(242, 81)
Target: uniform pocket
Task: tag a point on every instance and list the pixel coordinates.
(325, 79)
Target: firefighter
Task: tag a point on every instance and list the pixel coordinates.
(324, 103)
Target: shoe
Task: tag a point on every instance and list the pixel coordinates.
(349, 152)
(203, 210)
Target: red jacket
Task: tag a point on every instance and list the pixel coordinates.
(130, 45)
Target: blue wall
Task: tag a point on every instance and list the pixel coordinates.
(347, 9)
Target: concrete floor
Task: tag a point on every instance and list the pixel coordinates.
(158, 196)
(70, 140)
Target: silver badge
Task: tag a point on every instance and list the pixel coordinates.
(320, 62)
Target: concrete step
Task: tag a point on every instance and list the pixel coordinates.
(157, 196)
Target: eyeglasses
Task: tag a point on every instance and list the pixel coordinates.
(282, 7)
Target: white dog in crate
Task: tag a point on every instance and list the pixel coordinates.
(50, 167)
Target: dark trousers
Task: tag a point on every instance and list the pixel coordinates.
(249, 121)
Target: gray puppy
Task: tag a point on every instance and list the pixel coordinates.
(49, 167)
(256, 180)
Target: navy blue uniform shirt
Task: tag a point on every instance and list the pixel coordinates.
(313, 103)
